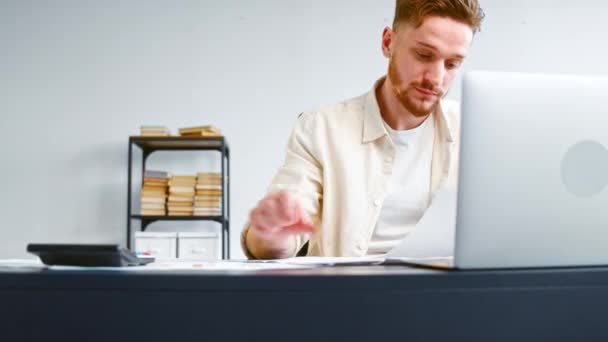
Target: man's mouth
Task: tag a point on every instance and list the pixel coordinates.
(425, 92)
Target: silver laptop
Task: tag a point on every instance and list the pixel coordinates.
(533, 172)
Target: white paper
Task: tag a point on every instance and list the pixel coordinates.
(222, 265)
(330, 261)
(21, 263)
(433, 236)
(181, 265)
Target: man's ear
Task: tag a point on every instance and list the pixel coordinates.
(388, 37)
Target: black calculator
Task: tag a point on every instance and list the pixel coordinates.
(86, 255)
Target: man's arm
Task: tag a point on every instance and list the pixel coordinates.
(281, 222)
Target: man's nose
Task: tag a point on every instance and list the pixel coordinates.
(434, 73)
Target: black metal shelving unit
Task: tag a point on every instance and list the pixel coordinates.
(149, 145)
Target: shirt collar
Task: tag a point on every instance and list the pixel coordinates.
(373, 124)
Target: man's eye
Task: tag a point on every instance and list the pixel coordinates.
(423, 56)
(452, 65)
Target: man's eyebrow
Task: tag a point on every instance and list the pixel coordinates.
(432, 47)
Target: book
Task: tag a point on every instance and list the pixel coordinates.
(150, 199)
(156, 181)
(171, 205)
(207, 198)
(154, 131)
(204, 131)
(208, 186)
(208, 201)
(156, 174)
(180, 209)
(186, 178)
(154, 192)
(208, 174)
(179, 214)
(182, 182)
(174, 198)
(181, 189)
(207, 212)
(153, 206)
(183, 195)
(154, 187)
(152, 212)
(210, 182)
(210, 193)
(208, 128)
(199, 205)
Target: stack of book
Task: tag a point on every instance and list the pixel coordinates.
(154, 131)
(208, 200)
(154, 193)
(181, 195)
(201, 131)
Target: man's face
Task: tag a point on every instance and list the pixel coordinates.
(423, 61)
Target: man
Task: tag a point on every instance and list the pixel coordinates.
(359, 175)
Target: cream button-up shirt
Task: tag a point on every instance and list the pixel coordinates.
(339, 160)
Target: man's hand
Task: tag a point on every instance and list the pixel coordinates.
(274, 222)
(279, 215)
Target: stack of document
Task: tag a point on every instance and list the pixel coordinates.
(200, 131)
(181, 195)
(154, 131)
(208, 199)
(154, 193)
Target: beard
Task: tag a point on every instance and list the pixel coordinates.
(419, 108)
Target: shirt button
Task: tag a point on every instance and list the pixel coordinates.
(389, 159)
(361, 245)
(377, 202)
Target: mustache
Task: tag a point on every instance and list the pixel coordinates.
(428, 86)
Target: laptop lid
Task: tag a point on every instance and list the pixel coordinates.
(533, 171)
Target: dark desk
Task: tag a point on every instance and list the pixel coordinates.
(340, 304)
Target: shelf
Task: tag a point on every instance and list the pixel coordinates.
(150, 145)
(179, 143)
(178, 218)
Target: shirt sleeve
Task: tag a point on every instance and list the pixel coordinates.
(300, 174)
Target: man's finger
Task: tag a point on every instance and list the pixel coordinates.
(298, 228)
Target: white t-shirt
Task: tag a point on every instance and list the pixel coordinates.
(408, 193)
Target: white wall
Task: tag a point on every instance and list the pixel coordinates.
(77, 77)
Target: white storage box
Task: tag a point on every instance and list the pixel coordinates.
(198, 246)
(161, 245)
